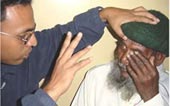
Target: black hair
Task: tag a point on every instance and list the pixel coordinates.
(5, 3)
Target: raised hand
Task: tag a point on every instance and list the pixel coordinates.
(144, 75)
(66, 66)
(116, 17)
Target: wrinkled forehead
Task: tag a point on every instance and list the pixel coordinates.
(130, 44)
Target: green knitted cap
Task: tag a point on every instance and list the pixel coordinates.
(155, 37)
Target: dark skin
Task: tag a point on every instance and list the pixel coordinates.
(141, 65)
(144, 75)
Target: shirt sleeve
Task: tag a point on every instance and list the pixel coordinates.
(39, 98)
(164, 88)
(155, 101)
(50, 40)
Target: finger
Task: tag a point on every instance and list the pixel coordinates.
(78, 55)
(155, 71)
(140, 8)
(131, 72)
(142, 58)
(69, 51)
(140, 64)
(66, 43)
(147, 15)
(152, 60)
(151, 70)
(81, 64)
(143, 19)
(120, 33)
(134, 65)
(147, 63)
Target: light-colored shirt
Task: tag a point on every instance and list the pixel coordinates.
(94, 90)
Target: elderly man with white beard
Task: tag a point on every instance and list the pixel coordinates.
(136, 77)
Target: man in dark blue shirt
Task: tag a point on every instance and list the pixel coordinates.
(28, 56)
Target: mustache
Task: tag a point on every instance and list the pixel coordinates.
(115, 80)
(121, 65)
(118, 63)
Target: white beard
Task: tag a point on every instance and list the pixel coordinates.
(124, 85)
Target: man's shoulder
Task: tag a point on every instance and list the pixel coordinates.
(163, 74)
(100, 70)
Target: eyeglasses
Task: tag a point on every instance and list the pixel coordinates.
(23, 37)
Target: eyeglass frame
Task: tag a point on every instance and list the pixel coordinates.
(24, 38)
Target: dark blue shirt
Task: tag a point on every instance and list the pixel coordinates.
(20, 83)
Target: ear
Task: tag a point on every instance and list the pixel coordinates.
(159, 58)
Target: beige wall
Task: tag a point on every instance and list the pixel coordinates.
(51, 12)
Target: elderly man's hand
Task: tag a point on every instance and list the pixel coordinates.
(144, 75)
(116, 17)
(66, 66)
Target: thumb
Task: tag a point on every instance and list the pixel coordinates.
(152, 59)
(120, 33)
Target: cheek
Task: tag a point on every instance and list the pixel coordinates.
(11, 53)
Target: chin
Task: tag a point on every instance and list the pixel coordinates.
(14, 62)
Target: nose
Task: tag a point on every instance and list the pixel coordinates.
(32, 41)
(123, 58)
